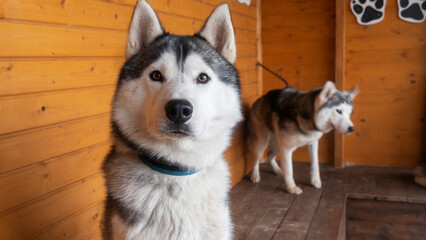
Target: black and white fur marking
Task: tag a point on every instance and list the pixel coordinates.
(287, 119)
(177, 102)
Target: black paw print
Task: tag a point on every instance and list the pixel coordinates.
(368, 11)
(412, 10)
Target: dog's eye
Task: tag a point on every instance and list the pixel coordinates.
(156, 76)
(339, 111)
(203, 78)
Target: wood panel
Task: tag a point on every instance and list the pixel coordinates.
(298, 43)
(22, 149)
(32, 218)
(48, 108)
(58, 73)
(18, 77)
(386, 60)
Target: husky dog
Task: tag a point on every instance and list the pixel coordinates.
(174, 110)
(287, 119)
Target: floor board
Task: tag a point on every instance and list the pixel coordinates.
(266, 211)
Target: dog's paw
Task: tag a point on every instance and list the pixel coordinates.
(255, 177)
(368, 11)
(412, 10)
(294, 190)
(316, 183)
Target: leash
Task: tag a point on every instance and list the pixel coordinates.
(273, 73)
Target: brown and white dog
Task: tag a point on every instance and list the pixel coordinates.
(286, 119)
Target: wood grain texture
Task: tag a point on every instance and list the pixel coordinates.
(387, 62)
(266, 211)
(298, 44)
(57, 74)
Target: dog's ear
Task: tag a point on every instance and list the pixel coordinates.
(218, 31)
(353, 92)
(327, 91)
(145, 27)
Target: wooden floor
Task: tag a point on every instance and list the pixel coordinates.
(266, 211)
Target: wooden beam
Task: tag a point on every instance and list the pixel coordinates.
(259, 46)
(339, 73)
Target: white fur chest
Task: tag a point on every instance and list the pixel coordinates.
(296, 139)
(172, 207)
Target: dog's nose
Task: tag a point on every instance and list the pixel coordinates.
(178, 111)
(351, 129)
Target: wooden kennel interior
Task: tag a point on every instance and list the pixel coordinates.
(59, 62)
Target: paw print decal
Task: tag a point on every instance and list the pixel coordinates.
(368, 11)
(412, 10)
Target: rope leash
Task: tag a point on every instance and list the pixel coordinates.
(273, 73)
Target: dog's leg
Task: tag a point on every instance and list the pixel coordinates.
(272, 159)
(287, 168)
(255, 175)
(315, 174)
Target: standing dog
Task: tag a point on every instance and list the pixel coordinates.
(287, 119)
(175, 107)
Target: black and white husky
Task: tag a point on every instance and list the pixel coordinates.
(175, 107)
(286, 119)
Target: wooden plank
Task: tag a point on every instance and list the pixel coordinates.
(390, 186)
(235, 6)
(34, 40)
(395, 48)
(247, 77)
(48, 108)
(49, 210)
(259, 47)
(415, 193)
(304, 21)
(19, 77)
(297, 220)
(244, 36)
(246, 64)
(339, 74)
(246, 213)
(200, 11)
(331, 208)
(36, 180)
(386, 212)
(82, 225)
(249, 90)
(273, 7)
(362, 230)
(22, 149)
(246, 50)
(77, 13)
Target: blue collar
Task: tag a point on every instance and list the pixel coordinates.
(160, 164)
(156, 163)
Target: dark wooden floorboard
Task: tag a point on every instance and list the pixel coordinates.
(363, 230)
(386, 211)
(247, 211)
(266, 211)
(326, 221)
(298, 219)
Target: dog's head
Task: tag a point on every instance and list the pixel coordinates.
(178, 92)
(334, 109)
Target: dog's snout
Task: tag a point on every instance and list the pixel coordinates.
(351, 129)
(178, 111)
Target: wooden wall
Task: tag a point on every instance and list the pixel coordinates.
(388, 62)
(59, 62)
(298, 43)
